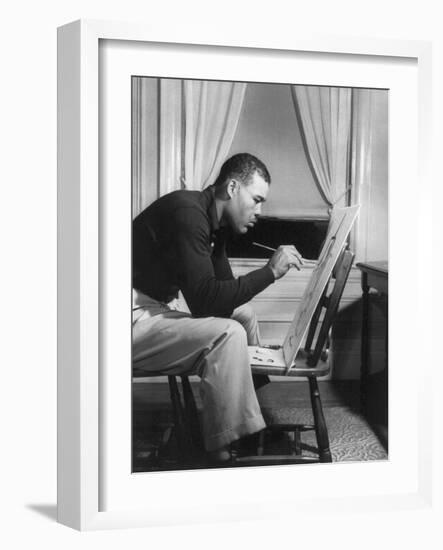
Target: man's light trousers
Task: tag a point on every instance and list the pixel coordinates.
(168, 341)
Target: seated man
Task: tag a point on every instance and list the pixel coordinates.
(179, 244)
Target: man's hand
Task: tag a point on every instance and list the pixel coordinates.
(285, 257)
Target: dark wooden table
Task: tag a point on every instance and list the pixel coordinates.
(374, 346)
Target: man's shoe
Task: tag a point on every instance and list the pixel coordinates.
(219, 456)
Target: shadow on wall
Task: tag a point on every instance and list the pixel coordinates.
(346, 337)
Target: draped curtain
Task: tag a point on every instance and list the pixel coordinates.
(324, 115)
(156, 139)
(361, 170)
(337, 127)
(137, 155)
(197, 125)
(145, 92)
(170, 135)
(211, 114)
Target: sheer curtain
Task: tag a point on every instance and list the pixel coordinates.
(361, 173)
(156, 139)
(170, 135)
(211, 111)
(324, 115)
(145, 142)
(339, 133)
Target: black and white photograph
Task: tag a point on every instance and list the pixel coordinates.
(226, 220)
(259, 274)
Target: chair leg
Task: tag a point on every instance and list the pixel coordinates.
(180, 427)
(297, 441)
(321, 429)
(192, 415)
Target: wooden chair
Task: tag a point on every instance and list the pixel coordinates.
(184, 433)
(311, 363)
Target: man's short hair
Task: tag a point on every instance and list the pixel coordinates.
(242, 166)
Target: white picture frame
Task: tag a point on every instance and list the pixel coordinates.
(80, 391)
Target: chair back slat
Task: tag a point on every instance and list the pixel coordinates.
(315, 319)
(330, 304)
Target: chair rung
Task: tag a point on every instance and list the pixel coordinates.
(272, 460)
(290, 427)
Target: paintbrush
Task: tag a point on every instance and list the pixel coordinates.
(304, 260)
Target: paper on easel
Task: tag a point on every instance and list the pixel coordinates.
(340, 225)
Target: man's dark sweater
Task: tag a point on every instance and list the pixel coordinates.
(179, 245)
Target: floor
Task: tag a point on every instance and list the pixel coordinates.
(351, 436)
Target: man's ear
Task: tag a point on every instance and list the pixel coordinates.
(232, 188)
